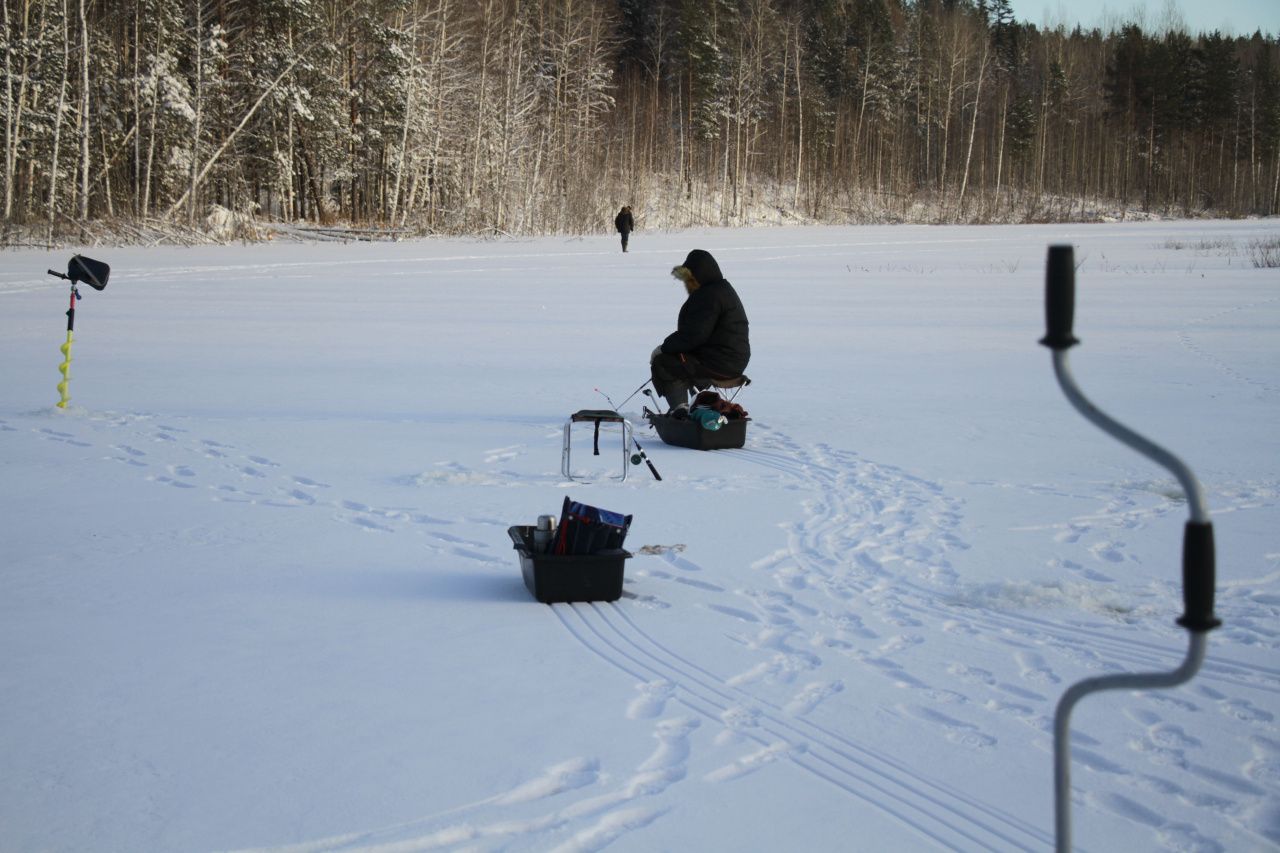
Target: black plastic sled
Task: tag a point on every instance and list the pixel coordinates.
(686, 432)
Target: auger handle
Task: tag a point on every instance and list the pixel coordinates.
(1198, 577)
(1060, 298)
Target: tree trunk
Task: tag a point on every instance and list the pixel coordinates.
(12, 113)
(193, 179)
(57, 119)
(84, 114)
(973, 129)
(795, 196)
(1004, 124)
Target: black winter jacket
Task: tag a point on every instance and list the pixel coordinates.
(712, 326)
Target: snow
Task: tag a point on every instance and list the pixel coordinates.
(257, 590)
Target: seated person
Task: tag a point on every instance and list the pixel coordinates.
(710, 341)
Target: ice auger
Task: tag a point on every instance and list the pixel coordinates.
(1197, 546)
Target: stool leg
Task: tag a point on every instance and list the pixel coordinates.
(564, 453)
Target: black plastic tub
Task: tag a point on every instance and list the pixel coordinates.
(683, 432)
(590, 577)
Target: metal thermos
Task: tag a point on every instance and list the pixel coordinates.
(544, 533)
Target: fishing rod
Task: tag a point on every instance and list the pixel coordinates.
(639, 456)
(629, 396)
(1197, 544)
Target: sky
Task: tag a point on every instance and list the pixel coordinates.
(1240, 17)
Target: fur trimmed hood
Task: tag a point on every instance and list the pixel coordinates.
(699, 268)
(712, 326)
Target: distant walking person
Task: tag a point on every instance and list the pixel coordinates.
(711, 337)
(625, 224)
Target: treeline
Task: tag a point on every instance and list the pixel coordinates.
(543, 116)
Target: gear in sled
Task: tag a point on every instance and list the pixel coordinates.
(711, 422)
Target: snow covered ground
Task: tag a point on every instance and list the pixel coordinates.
(257, 590)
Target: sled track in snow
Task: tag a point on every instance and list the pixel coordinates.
(945, 816)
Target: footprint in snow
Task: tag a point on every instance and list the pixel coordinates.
(649, 602)
(1111, 552)
(652, 700)
(1084, 572)
(310, 483)
(733, 613)
(703, 585)
(892, 670)
(851, 624)
(230, 494)
(813, 695)
(1020, 692)
(1033, 668)
(673, 744)
(64, 437)
(780, 669)
(738, 719)
(1094, 760)
(1071, 535)
(367, 524)
(749, 764)
(455, 540)
(169, 481)
(131, 456)
(566, 776)
(1264, 767)
(1245, 711)
(972, 674)
(792, 578)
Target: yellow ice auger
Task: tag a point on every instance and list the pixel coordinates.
(95, 274)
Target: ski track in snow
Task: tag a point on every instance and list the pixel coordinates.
(845, 598)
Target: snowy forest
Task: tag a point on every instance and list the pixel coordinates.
(544, 116)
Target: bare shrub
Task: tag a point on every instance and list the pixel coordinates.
(1265, 251)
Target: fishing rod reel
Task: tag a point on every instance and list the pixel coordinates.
(1197, 547)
